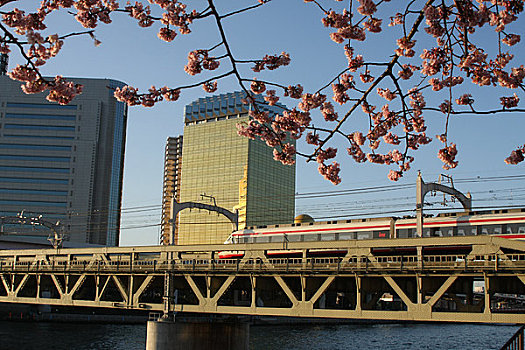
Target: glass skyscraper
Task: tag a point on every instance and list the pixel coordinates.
(220, 167)
(63, 162)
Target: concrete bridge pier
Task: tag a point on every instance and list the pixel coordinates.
(201, 335)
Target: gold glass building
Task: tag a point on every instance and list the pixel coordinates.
(222, 168)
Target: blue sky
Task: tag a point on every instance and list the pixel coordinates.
(136, 56)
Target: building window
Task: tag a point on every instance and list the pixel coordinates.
(39, 127)
(33, 203)
(35, 192)
(35, 158)
(40, 106)
(35, 147)
(35, 169)
(34, 180)
(40, 116)
(40, 137)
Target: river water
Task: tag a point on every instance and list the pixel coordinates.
(67, 336)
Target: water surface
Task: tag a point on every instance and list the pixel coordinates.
(67, 336)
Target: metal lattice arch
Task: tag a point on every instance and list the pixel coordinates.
(177, 207)
(423, 188)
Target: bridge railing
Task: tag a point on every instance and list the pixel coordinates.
(516, 341)
(355, 263)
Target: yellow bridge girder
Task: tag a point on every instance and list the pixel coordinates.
(460, 279)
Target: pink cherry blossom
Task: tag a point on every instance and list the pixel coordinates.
(329, 114)
(373, 25)
(367, 7)
(465, 99)
(312, 139)
(199, 60)
(272, 62)
(386, 94)
(210, 86)
(257, 87)
(331, 172)
(511, 39)
(261, 117)
(509, 102)
(448, 156)
(167, 34)
(271, 98)
(326, 154)
(311, 101)
(294, 91)
(516, 156)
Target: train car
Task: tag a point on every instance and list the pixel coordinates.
(507, 223)
(374, 228)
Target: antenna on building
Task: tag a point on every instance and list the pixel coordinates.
(4, 61)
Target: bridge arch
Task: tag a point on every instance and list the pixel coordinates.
(176, 207)
(423, 188)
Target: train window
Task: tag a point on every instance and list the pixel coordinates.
(461, 232)
(364, 235)
(490, 229)
(311, 237)
(346, 235)
(406, 232)
(246, 239)
(436, 232)
(515, 228)
(262, 239)
(448, 231)
(328, 237)
(471, 231)
(295, 238)
(275, 239)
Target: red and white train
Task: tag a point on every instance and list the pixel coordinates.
(508, 223)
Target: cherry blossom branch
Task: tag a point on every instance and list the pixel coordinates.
(217, 77)
(456, 58)
(21, 49)
(4, 2)
(370, 89)
(495, 111)
(265, 82)
(244, 9)
(65, 36)
(226, 44)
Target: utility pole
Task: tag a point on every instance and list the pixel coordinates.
(423, 188)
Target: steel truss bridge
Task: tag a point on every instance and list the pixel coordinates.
(419, 279)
